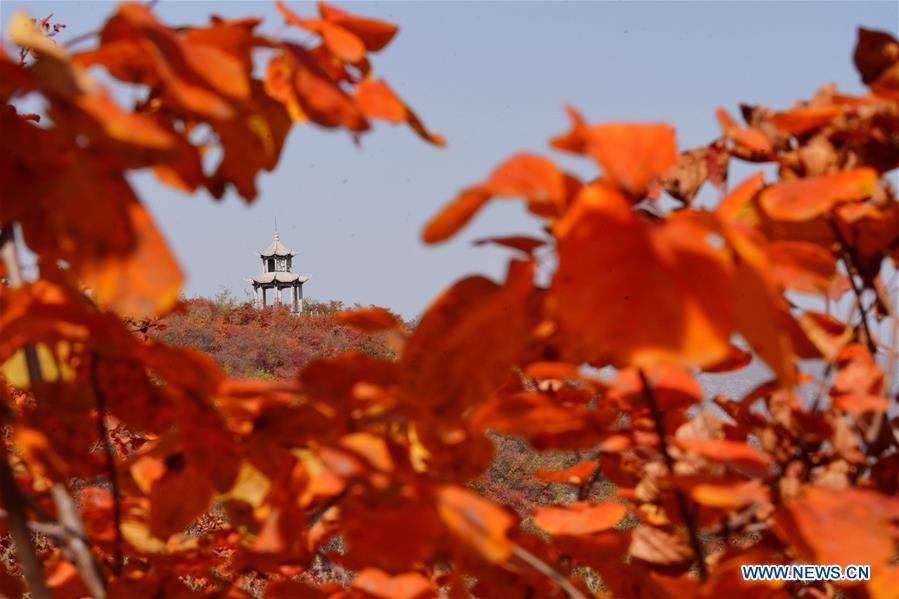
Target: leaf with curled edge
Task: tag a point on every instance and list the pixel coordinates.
(535, 178)
(613, 313)
(342, 43)
(751, 144)
(374, 33)
(378, 101)
(635, 156)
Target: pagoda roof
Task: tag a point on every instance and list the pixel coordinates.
(280, 277)
(276, 248)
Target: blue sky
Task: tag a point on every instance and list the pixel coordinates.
(493, 78)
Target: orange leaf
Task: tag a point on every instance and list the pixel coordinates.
(580, 518)
(377, 583)
(455, 215)
(319, 95)
(801, 265)
(760, 310)
(860, 404)
(751, 139)
(729, 495)
(478, 523)
(378, 101)
(742, 455)
(802, 120)
(146, 281)
(657, 546)
(633, 155)
(466, 343)
(533, 177)
(737, 205)
(374, 34)
(673, 387)
(178, 498)
(613, 268)
(804, 199)
(369, 319)
(826, 333)
(735, 360)
(575, 475)
(342, 43)
(517, 242)
(845, 526)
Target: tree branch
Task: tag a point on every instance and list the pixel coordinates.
(851, 270)
(77, 548)
(658, 420)
(10, 493)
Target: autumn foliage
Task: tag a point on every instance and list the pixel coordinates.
(148, 472)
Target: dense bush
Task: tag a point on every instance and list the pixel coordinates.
(268, 343)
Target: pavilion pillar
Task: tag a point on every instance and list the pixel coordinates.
(277, 299)
(294, 306)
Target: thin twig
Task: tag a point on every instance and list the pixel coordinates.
(77, 549)
(111, 470)
(10, 492)
(543, 568)
(851, 270)
(658, 419)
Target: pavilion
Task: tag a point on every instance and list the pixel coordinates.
(276, 274)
